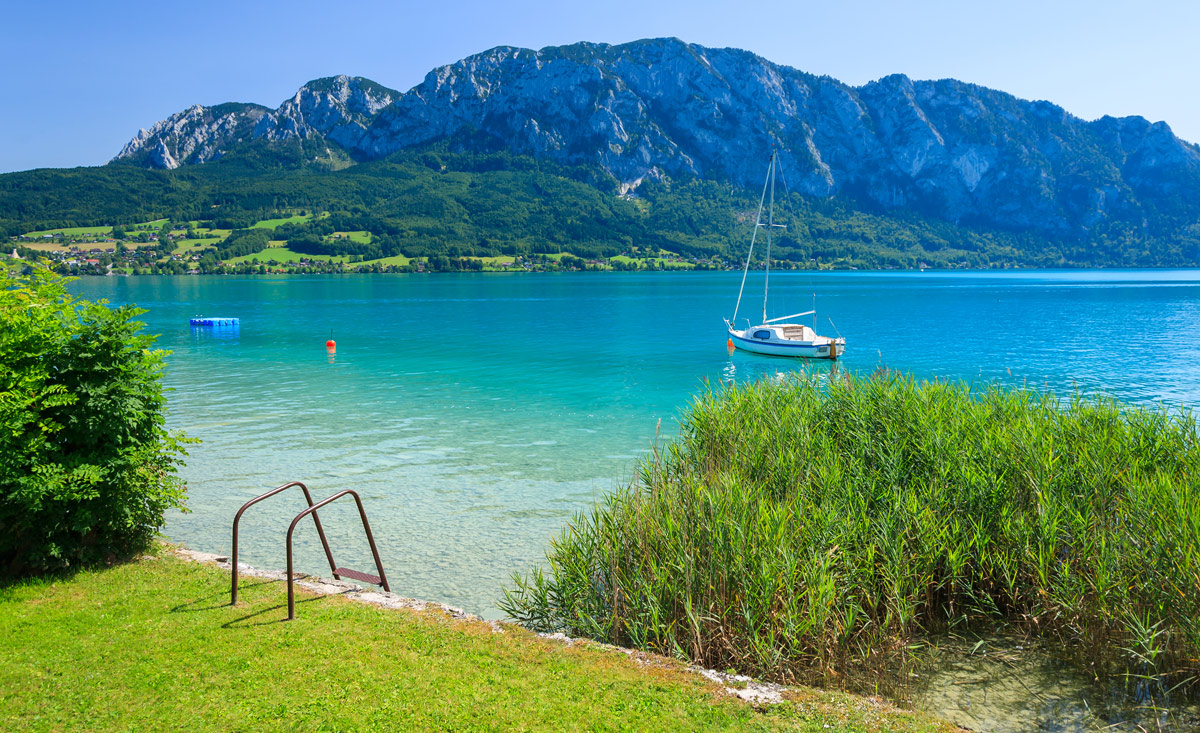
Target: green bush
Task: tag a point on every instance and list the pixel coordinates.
(806, 525)
(87, 468)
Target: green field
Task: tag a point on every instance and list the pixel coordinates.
(154, 224)
(71, 231)
(396, 261)
(273, 223)
(360, 236)
(154, 645)
(281, 254)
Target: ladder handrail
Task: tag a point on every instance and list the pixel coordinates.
(237, 518)
(312, 510)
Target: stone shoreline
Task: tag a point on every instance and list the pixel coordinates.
(745, 688)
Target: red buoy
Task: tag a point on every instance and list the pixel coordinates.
(331, 345)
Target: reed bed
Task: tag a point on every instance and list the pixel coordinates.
(814, 525)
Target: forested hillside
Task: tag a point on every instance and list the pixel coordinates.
(437, 202)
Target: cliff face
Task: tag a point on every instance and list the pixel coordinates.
(661, 107)
(196, 135)
(336, 109)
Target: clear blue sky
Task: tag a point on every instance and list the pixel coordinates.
(80, 78)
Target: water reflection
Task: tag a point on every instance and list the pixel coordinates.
(215, 332)
(743, 367)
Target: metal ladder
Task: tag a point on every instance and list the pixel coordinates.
(338, 572)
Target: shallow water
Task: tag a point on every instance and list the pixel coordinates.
(1005, 685)
(476, 413)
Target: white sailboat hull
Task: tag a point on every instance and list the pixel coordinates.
(818, 347)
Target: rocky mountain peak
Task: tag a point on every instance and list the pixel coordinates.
(663, 107)
(338, 108)
(198, 134)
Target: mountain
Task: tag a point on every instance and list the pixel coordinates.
(664, 109)
(336, 110)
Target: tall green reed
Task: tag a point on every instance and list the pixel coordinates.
(803, 525)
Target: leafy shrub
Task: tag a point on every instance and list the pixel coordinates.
(87, 468)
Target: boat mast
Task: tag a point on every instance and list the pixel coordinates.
(757, 225)
(770, 226)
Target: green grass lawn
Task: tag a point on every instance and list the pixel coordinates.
(362, 236)
(71, 231)
(281, 254)
(273, 223)
(153, 645)
(397, 260)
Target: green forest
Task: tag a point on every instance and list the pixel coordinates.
(458, 207)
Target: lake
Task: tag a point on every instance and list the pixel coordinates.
(477, 413)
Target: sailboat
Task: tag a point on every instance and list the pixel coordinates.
(778, 336)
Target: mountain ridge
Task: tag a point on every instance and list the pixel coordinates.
(660, 108)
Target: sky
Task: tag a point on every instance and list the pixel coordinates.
(80, 78)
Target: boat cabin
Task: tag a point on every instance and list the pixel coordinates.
(781, 332)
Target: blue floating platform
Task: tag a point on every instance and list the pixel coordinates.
(215, 322)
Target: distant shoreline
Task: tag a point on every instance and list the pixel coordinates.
(674, 270)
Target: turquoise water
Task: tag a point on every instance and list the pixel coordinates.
(476, 413)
